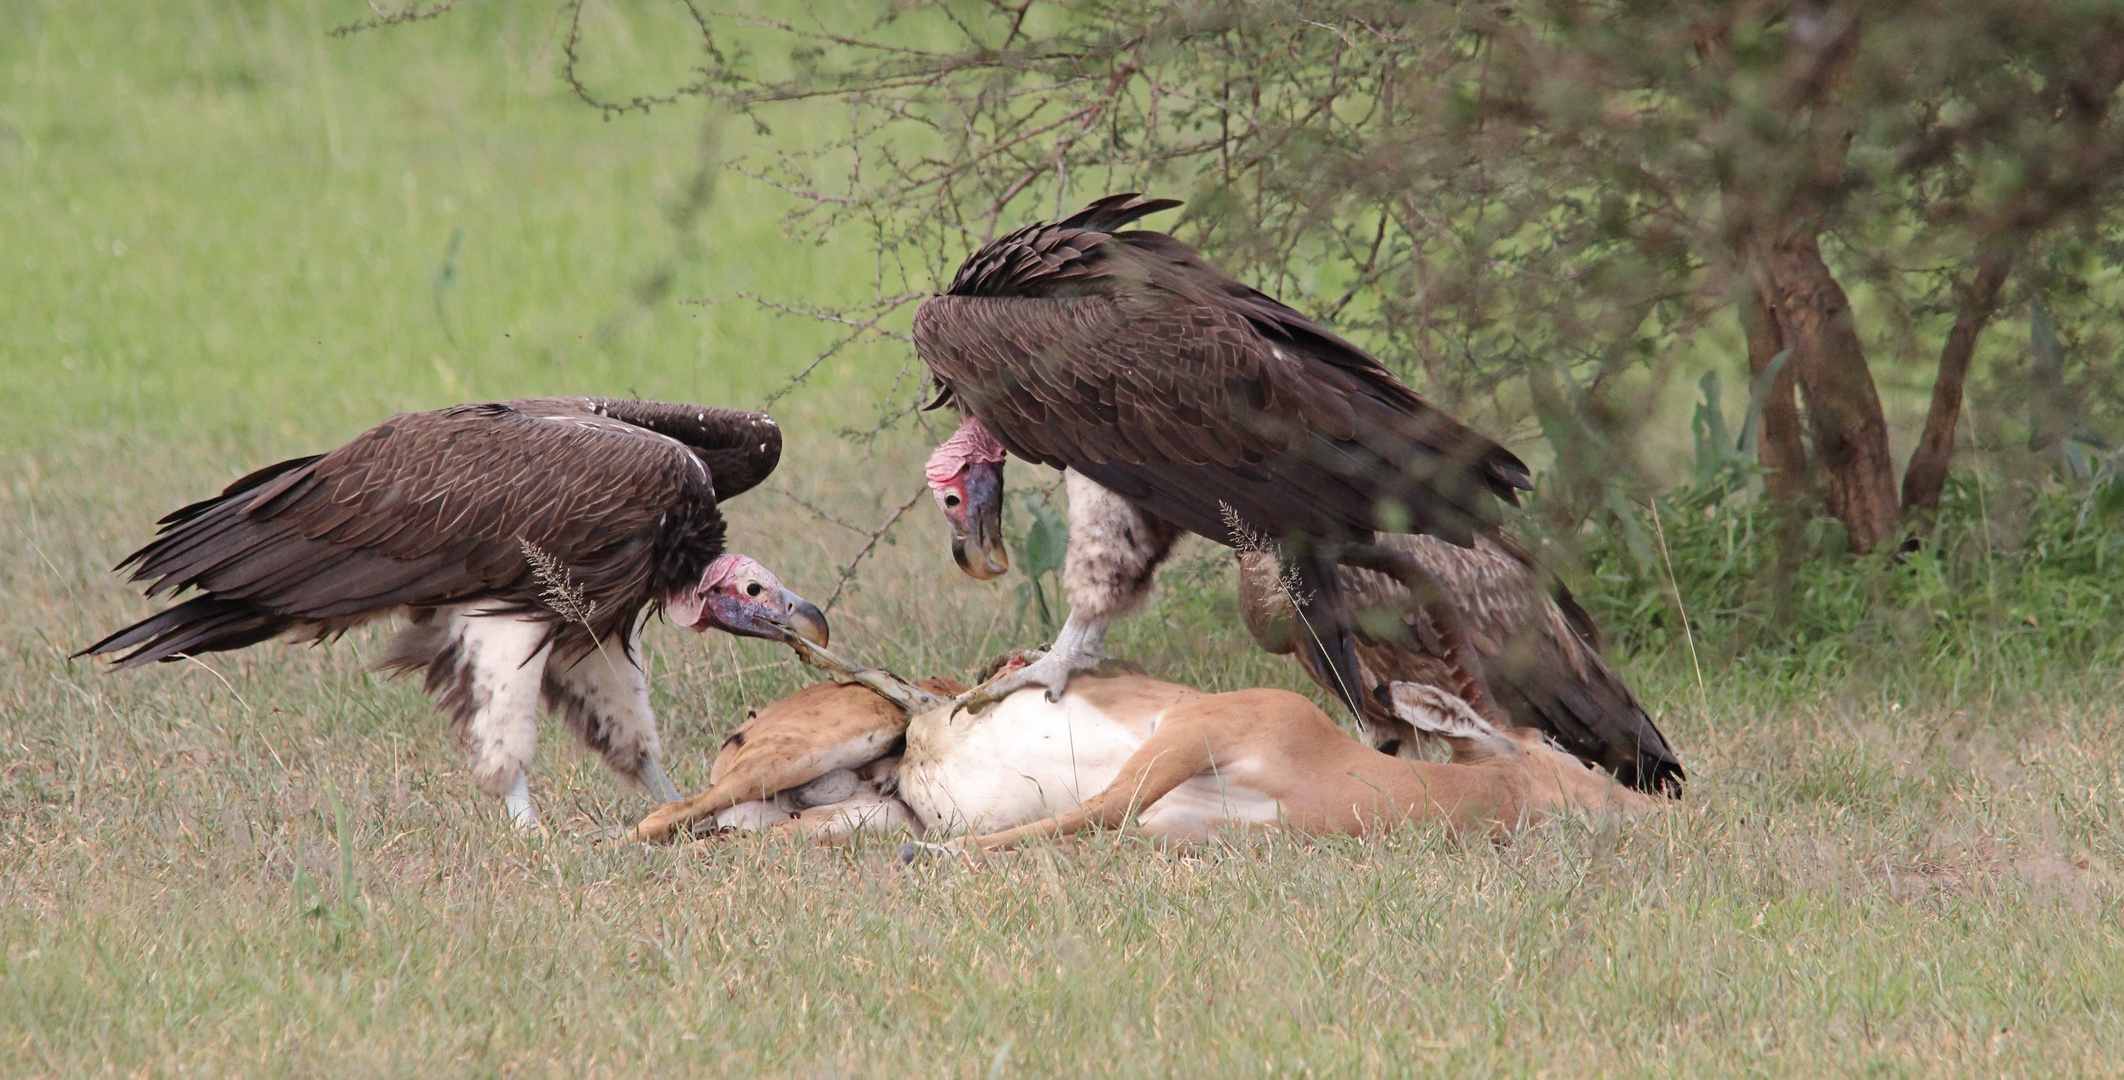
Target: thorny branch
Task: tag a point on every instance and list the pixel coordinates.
(877, 534)
(1301, 131)
(383, 17)
(816, 511)
(571, 66)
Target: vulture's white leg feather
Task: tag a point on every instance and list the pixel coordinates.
(499, 662)
(1114, 552)
(604, 698)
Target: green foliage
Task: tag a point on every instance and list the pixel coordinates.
(2014, 577)
(1038, 551)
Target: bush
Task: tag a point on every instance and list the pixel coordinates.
(2010, 579)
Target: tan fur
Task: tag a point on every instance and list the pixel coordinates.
(1281, 745)
(790, 743)
(1267, 743)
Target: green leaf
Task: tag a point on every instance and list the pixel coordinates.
(1045, 542)
(1709, 427)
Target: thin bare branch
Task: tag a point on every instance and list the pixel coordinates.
(411, 13)
(848, 571)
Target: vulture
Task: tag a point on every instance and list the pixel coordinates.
(522, 540)
(1179, 400)
(1535, 652)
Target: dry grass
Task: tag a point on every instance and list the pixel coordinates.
(272, 863)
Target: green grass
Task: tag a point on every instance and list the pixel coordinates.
(220, 237)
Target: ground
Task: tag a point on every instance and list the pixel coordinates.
(231, 239)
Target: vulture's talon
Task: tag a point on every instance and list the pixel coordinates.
(1052, 670)
(972, 702)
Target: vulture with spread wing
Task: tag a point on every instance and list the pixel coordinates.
(523, 540)
(1178, 399)
(1535, 652)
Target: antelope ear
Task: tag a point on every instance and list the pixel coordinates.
(685, 609)
(1431, 710)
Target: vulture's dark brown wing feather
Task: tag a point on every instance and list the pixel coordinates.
(1535, 650)
(1129, 358)
(440, 508)
(739, 447)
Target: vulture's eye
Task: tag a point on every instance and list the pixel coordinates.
(752, 588)
(951, 501)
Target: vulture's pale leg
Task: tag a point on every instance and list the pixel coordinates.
(523, 813)
(492, 695)
(1114, 552)
(603, 697)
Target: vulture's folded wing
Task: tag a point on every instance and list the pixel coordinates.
(1127, 357)
(428, 509)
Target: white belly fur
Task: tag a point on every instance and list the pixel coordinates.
(1209, 802)
(1026, 759)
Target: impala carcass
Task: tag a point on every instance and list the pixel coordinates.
(1120, 745)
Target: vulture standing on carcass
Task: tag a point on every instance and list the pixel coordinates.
(523, 540)
(1178, 399)
(1534, 650)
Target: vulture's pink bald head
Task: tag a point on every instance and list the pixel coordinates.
(968, 446)
(966, 478)
(739, 596)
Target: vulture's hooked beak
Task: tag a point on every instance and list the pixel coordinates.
(977, 526)
(739, 596)
(804, 620)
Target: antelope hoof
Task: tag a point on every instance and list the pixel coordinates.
(660, 825)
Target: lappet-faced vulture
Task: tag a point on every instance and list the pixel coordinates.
(1178, 399)
(523, 541)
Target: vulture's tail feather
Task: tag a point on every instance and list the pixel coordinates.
(202, 624)
(1555, 681)
(1653, 773)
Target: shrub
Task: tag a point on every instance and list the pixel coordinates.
(2010, 578)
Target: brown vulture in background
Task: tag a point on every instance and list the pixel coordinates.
(1179, 399)
(1535, 651)
(523, 540)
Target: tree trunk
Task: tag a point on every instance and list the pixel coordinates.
(1843, 408)
(1926, 475)
(1779, 447)
(1778, 444)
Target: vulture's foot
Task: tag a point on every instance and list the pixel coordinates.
(1052, 670)
(1079, 648)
